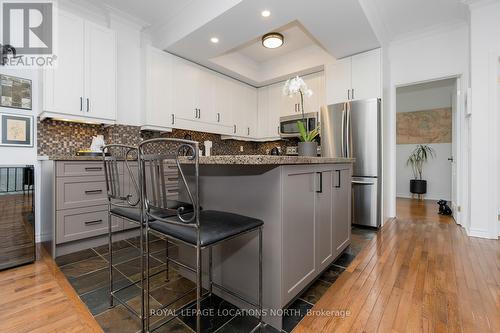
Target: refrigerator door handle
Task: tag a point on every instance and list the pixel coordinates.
(348, 131)
(342, 137)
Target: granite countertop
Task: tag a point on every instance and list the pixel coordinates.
(269, 160)
(228, 159)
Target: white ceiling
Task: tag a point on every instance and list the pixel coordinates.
(403, 17)
(295, 37)
(312, 28)
(153, 12)
(339, 27)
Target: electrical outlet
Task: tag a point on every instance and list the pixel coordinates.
(241, 149)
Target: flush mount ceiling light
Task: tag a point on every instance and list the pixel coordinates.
(214, 40)
(272, 40)
(265, 13)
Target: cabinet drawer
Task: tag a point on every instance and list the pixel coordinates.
(78, 169)
(80, 223)
(76, 192)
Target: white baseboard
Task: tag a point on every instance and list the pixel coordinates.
(480, 233)
(408, 196)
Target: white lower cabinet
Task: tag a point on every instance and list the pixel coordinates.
(316, 210)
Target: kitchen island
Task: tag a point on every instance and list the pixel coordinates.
(305, 203)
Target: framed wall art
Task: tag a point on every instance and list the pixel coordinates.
(16, 130)
(15, 92)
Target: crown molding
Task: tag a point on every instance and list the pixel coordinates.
(474, 4)
(430, 31)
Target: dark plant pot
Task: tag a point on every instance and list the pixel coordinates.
(309, 149)
(418, 186)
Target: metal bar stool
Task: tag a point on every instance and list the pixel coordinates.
(197, 229)
(122, 203)
(125, 203)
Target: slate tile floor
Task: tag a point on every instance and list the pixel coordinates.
(87, 272)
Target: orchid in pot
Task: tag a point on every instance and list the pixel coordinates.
(307, 145)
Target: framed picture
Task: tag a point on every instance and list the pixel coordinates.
(15, 92)
(16, 130)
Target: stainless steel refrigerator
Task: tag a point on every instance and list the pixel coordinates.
(352, 129)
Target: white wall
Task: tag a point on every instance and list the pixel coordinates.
(485, 50)
(437, 171)
(430, 56)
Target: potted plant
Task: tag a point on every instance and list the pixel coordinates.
(307, 145)
(416, 160)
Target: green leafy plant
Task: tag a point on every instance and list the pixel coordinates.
(420, 155)
(305, 135)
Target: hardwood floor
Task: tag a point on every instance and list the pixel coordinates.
(421, 273)
(38, 298)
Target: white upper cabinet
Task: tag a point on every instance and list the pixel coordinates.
(245, 111)
(366, 75)
(100, 71)
(158, 109)
(83, 85)
(315, 82)
(64, 86)
(184, 90)
(224, 101)
(205, 91)
(338, 81)
(353, 78)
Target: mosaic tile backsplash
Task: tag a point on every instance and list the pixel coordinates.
(66, 138)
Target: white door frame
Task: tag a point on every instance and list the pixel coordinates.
(461, 177)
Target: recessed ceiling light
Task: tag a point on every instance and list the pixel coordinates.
(265, 13)
(272, 40)
(214, 40)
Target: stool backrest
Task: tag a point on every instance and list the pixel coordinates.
(118, 193)
(154, 155)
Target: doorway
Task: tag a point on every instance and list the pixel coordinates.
(426, 126)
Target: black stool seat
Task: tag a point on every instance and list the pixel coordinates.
(134, 213)
(214, 227)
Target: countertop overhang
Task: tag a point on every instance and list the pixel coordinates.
(230, 159)
(269, 160)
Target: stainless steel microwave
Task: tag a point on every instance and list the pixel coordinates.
(289, 128)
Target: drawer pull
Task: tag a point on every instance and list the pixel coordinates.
(93, 222)
(93, 192)
(93, 169)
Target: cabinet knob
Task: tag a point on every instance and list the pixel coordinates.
(234, 130)
(88, 105)
(81, 103)
(173, 119)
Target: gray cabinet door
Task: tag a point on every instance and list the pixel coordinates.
(324, 219)
(341, 206)
(299, 185)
